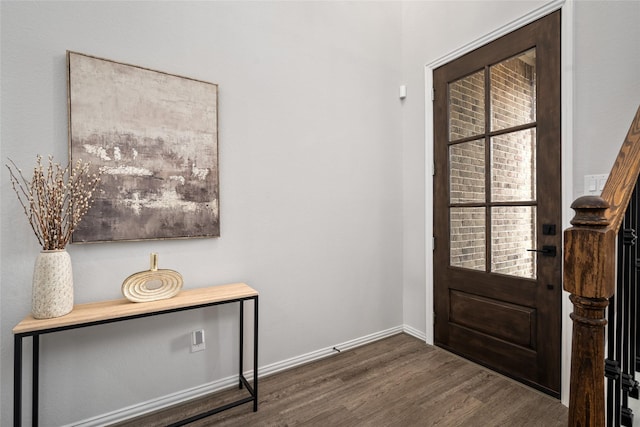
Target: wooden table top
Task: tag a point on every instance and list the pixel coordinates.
(115, 309)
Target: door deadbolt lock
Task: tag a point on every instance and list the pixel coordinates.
(547, 250)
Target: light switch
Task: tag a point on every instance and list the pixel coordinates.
(602, 180)
(594, 184)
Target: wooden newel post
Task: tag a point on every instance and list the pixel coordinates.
(589, 272)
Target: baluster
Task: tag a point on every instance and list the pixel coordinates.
(620, 363)
(633, 300)
(629, 385)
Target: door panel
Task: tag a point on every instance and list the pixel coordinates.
(510, 322)
(494, 286)
(497, 186)
(511, 358)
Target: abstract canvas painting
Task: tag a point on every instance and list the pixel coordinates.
(154, 136)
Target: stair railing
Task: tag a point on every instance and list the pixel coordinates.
(590, 278)
(622, 328)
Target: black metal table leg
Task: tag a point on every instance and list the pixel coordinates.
(241, 352)
(255, 354)
(35, 381)
(17, 380)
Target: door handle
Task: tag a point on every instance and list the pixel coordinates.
(547, 250)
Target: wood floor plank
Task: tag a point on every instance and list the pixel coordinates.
(397, 381)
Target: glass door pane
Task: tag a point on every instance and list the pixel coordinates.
(513, 167)
(513, 91)
(468, 238)
(467, 172)
(466, 106)
(513, 231)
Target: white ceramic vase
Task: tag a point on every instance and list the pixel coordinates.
(52, 285)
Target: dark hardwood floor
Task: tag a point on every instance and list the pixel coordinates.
(397, 381)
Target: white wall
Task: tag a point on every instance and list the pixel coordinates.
(311, 186)
(607, 82)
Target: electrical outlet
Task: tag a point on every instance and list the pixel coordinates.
(197, 341)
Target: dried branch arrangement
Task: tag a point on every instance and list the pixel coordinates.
(55, 200)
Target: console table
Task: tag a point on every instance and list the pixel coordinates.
(99, 313)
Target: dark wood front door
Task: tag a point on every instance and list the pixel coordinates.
(497, 200)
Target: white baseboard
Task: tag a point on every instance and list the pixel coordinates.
(225, 383)
(328, 351)
(157, 404)
(414, 332)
